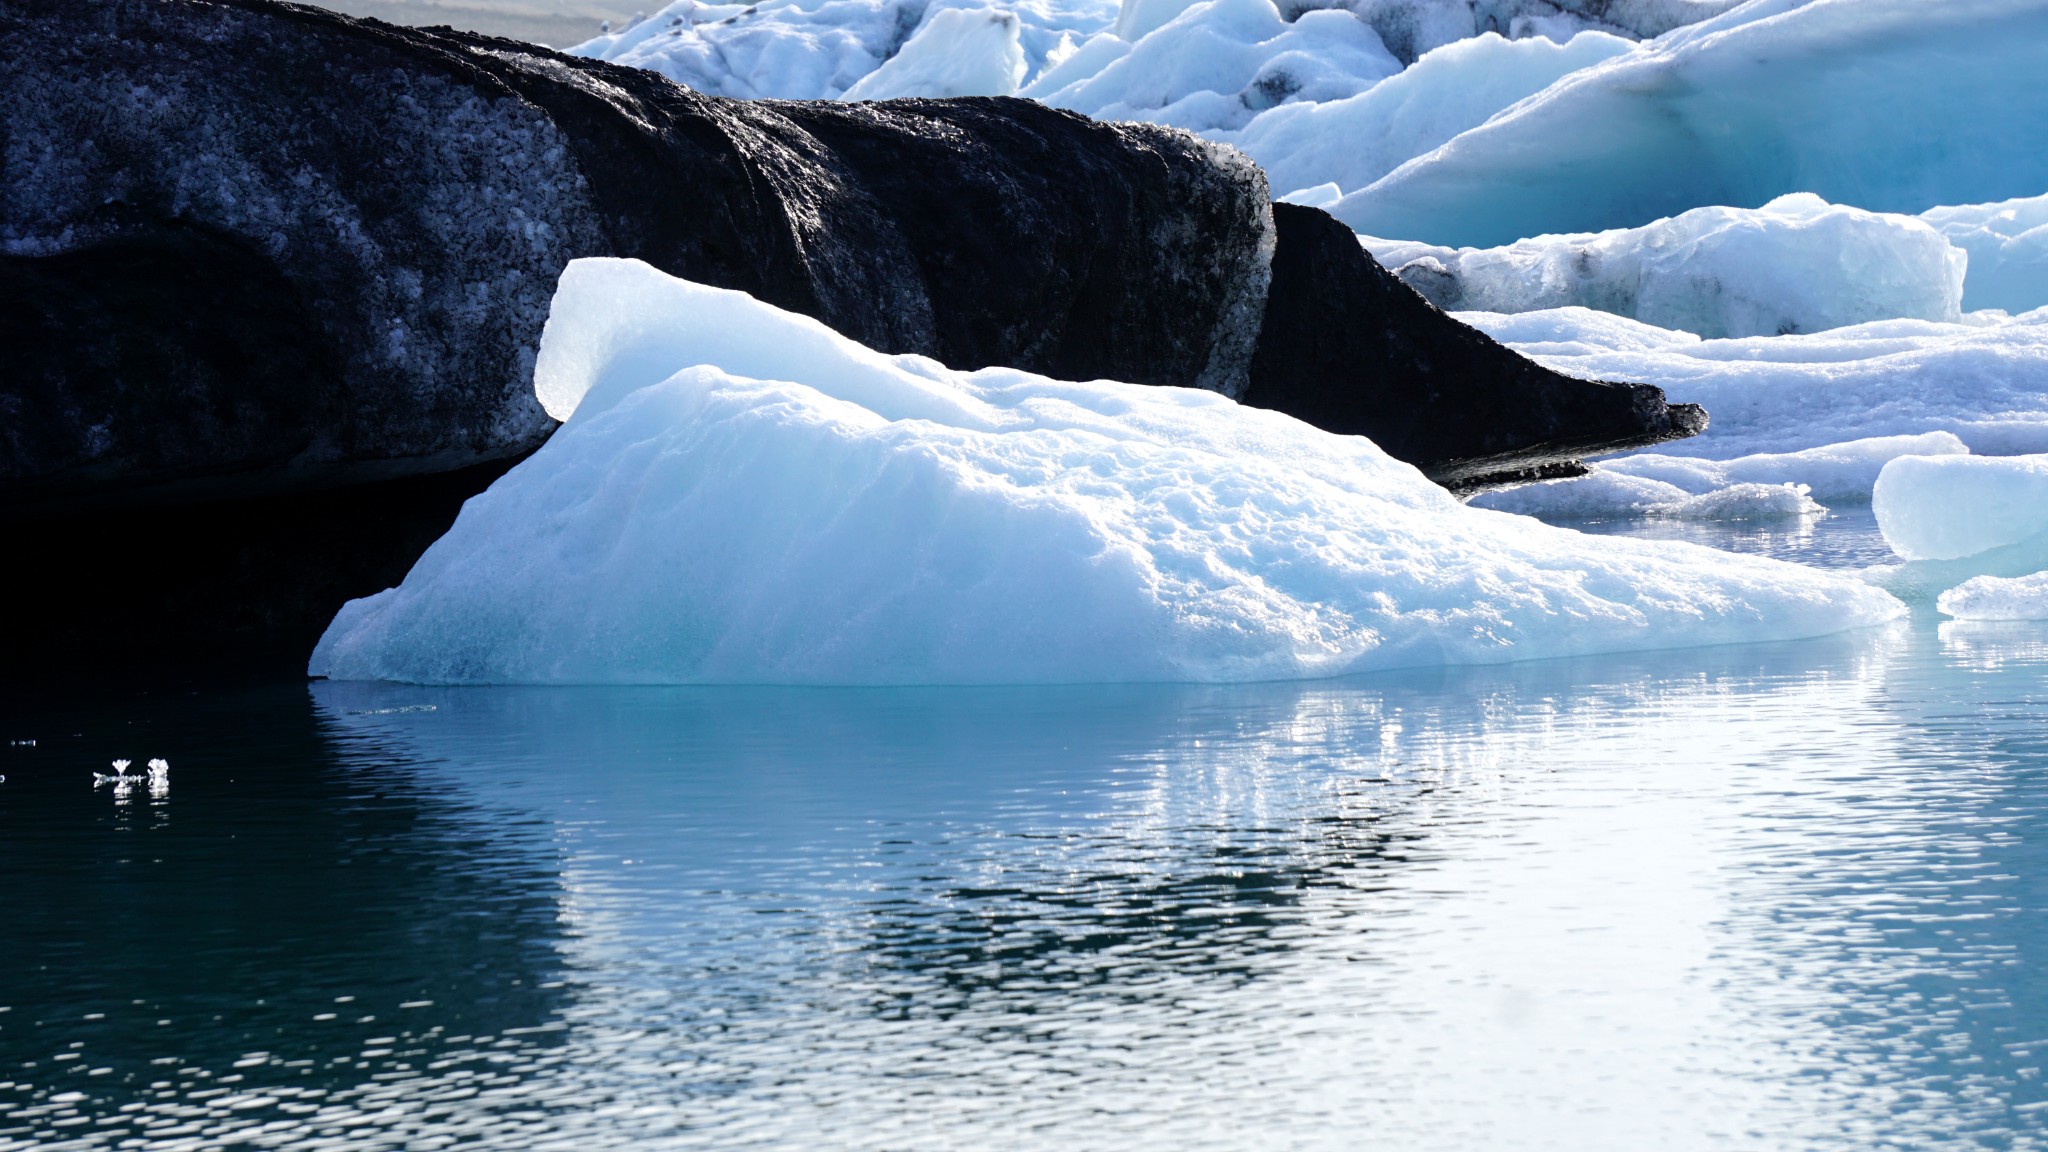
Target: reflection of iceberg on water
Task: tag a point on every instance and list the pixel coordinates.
(742, 495)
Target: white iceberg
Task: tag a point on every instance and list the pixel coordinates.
(2008, 246)
(1605, 494)
(1985, 379)
(1998, 598)
(1798, 264)
(1767, 485)
(1953, 507)
(1890, 105)
(742, 495)
(1352, 142)
(820, 49)
(958, 52)
(1221, 62)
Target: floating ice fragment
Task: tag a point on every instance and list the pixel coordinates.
(1951, 507)
(1797, 264)
(741, 495)
(1980, 380)
(1998, 598)
(1603, 494)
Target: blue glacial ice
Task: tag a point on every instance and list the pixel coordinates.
(1981, 379)
(2008, 246)
(1797, 264)
(1889, 105)
(1349, 143)
(741, 495)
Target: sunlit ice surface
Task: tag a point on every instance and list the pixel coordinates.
(1784, 896)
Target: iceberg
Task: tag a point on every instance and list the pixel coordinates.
(1997, 598)
(1954, 507)
(1221, 62)
(1606, 494)
(958, 52)
(1354, 141)
(1983, 379)
(1890, 105)
(2008, 246)
(1767, 485)
(741, 495)
(1797, 264)
(820, 49)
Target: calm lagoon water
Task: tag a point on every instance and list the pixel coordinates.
(1786, 896)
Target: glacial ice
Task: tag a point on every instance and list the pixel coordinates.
(1998, 598)
(1221, 62)
(1890, 105)
(741, 495)
(1984, 379)
(1606, 494)
(2008, 246)
(818, 49)
(1952, 507)
(1767, 485)
(1354, 141)
(958, 52)
(1798, 264)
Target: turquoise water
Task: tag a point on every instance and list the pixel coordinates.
(1784, 896)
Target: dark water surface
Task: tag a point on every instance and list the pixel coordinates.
(1783, 896)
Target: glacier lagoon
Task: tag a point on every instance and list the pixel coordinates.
(1784, 895)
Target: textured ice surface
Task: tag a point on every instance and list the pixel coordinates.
(1890, 105)
(742, 495)
(1221, 62)
(1763, 486)
(1950, 507)
(1353, 142)
(1998, 598)
(817, 49)
(1603, 494)
(2008, 246)
(1985, 379)
(958, 52)
(1798, 264)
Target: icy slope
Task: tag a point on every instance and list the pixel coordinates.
(1985, 379)
(1352, 142)
(2008, 246)
(1764, 485)
(818, 49)
(1798, 264)
(1890, 105)
(741, 495)
(1220, 63)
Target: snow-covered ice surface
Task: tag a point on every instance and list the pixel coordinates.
(1763, 486)
(1984, 379)
(818, 49)
(1998, 598)
(1605, 494)
(742, 495)
(2008, 246)
(1354, 141)
(1218, 64)
(1953, 507)
(1889, 105)
(1798, 264)
(957, 52)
